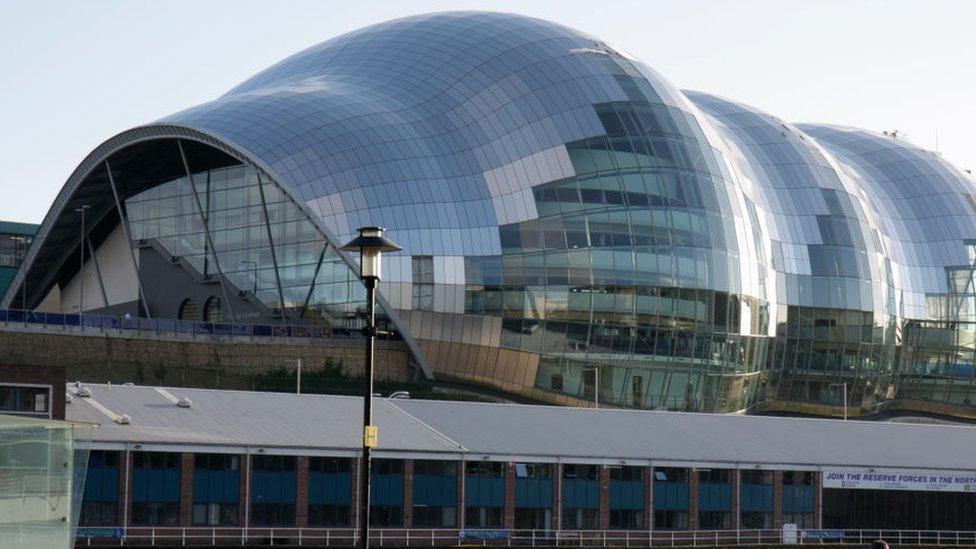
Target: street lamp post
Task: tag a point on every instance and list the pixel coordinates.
(370, 244)
(298, 374)
(81, 267)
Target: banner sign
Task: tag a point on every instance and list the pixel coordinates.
(100, 533)
(901, 480)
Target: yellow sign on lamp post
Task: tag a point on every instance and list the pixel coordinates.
(369, 436)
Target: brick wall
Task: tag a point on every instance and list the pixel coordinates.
(734, 477)
(777, 499)
(557, 496)
(129, 459)
(818, 499)
(509, 496)
(30, 372)
(123, 487)
(214, 363)
(301, 491)
(186, 489)
(408, 493)
(244, 492)
(693, 499)
(604, 498)
(649, 498)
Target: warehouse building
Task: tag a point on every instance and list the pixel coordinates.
(200, 462)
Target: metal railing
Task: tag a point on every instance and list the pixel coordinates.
(163, 325)
(417, 537)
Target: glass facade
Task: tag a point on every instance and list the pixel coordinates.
(233, 226)
(42, 481)
(13, 248)
(15, 239)
(574, 228)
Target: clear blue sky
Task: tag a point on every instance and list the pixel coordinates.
(76, 73)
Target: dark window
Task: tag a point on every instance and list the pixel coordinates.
(898, 509)
(756, 499)
(155, 488)
(581, 497)
(713, 476)
(386, 497)
(581, 519)
(216, 485)
(100, 503)
(714, 499)
(714, 520)
(329, 487)
(212, 310)
(423, 282)
(13, 247)
(533, 518)
(434, 493)
(671, 498)
(556, 382)
(273, 483)
(626, 497)
(20, 400)
(188, 310)
(670, 520)
(484, 494)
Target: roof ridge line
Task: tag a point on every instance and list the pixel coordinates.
(426, 425)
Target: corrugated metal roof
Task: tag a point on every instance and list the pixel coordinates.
(242, 418)
(332, 422)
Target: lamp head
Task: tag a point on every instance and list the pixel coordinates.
(370, 244)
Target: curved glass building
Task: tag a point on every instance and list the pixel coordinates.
(573, 226)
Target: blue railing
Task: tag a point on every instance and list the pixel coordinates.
(166, 325)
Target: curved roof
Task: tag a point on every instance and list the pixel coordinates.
(405, 122)
(488, 142)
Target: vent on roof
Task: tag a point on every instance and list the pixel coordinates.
(184, 403)
(68, 398)
(83, 392)
(123, 419)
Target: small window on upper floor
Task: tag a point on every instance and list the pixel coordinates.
(213, 310)
(423, 283)
(188, 310)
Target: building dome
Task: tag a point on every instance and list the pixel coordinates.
(563, 210)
